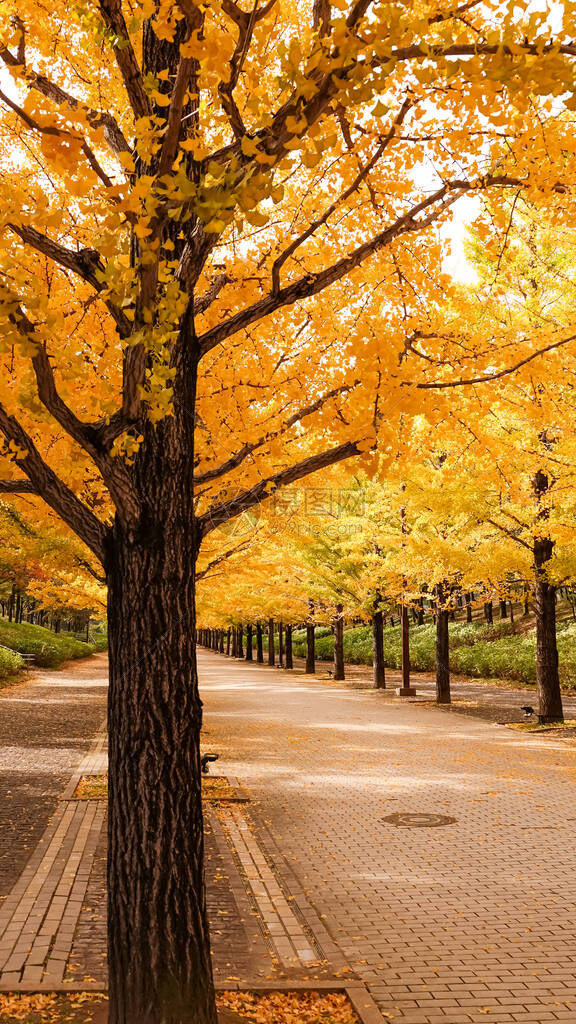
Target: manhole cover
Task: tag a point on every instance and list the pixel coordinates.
(409, 820)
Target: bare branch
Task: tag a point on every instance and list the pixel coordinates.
(236, 460)
(511, 534)
(492, 376)
(312, 284)
(219, 514)
(52, 489)
(360, 177)
(215, 562)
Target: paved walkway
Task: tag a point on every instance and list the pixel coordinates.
(466, 922)
(482, 698)
(322, 875)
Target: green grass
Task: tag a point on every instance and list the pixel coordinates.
(50, 649)
(476, 649)
(10, 665)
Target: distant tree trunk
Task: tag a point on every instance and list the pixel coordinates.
(339, 672)
(488, 612)
(526, 602)
(421, 611)
(271, 650)
(503, 610)
(281, 644)
(57, 625)
(468, 600)
(549, 693)
(249, 654)
(511, 611)
(228, 640)
(310, 649)
(442, 648)
(221, 645)
(240, 641)
(378, 650)
(259, 645)
(405, 636)
(289, 655)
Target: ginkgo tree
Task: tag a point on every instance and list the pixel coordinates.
(217, 238)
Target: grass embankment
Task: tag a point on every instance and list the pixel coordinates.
(50, 649)
(476, 649)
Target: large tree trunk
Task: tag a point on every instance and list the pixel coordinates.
(549, 693)
(158, 943)
(442, 650)
(378, 651)
(249, 654)
(339, 672)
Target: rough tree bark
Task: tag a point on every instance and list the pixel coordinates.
(547, 677)
(289, 656)
(271, 649)
(158, 940)
(442, 647)
(259, 645)
(339, 672)
(281, 644)
(378, 650)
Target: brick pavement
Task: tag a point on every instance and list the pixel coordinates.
(468, 922)
(38, 919)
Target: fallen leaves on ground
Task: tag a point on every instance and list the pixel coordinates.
(215, 789)
(48, 1008)
(290, 1007)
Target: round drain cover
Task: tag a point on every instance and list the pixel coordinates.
(409, 820)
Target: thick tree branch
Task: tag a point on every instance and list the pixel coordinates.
(312, 284)
(96, 118)
(126, 58)
(203, 302)
(17, 487)
(360, 177)
(52, 489)
(84, 263)
(238, 458)
(219, 514)
(89, 436)
(58, 133)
